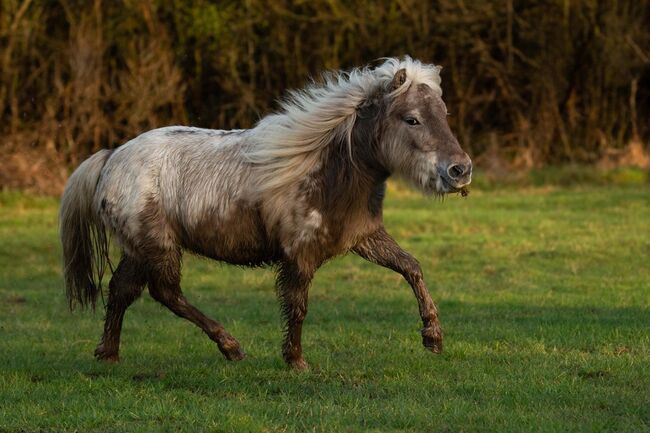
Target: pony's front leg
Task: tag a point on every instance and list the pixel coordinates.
(293, 286)
(381, 248)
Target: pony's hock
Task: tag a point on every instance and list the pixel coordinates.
(304, 185)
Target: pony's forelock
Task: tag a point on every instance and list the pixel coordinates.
(288, 145)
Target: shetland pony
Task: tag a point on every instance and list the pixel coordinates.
(304, 185)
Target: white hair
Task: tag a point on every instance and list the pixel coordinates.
(289, 144)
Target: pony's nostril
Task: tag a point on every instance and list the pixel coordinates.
(455, 171)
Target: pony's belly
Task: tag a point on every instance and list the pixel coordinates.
(239, 241)
(244, 252)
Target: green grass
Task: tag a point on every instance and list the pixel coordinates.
(544, 296)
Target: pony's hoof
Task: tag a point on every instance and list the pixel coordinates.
(231, 349)
(234, 354)
(109, 356)
(298, 364)
(432, 339)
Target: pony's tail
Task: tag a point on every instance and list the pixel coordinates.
(84, 239)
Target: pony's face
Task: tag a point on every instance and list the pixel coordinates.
(417, 143)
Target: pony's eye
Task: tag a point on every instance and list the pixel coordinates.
(411, 121)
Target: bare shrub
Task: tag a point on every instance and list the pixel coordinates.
(530, 83)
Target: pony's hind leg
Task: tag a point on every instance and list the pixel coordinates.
(164, 287)
(125, 286)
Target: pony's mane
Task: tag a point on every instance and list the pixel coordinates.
(289, 144)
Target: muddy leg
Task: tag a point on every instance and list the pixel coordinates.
(164, 287)
(125, 286)
(382, 249)
(293, 286)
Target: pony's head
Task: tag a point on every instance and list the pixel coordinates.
(413, 139)
(392, 117)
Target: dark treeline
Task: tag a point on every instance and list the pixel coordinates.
(552, 80)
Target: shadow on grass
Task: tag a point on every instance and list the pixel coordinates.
(477, 328)
(366, 357)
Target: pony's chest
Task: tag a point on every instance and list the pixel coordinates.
(349, 229)
(318, 235)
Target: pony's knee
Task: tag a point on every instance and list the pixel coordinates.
(412, 271)
(299, 312)
(294, 304)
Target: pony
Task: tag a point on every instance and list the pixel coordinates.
(304, 185)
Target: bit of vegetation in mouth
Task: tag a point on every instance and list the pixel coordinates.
(463, 190)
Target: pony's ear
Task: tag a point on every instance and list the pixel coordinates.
(398, 79)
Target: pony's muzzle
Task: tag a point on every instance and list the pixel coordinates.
(457, 171)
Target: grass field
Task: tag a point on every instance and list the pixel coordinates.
(544, 296)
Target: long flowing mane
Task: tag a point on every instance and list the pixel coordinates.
(289, 144)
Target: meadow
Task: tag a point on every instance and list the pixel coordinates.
(544, 294)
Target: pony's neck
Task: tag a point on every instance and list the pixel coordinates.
(352, 176)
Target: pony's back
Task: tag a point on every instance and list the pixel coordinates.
(171, 178)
